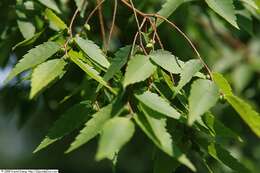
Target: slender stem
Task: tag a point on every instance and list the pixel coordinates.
(113, 22)
(139, 27)
(94, 10)
(102, 25)
(175, 27)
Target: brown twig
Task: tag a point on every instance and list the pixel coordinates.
(175, 27)
(65, 46)
(113, 22)
(102, 25)
(93, 11)
(139, 27)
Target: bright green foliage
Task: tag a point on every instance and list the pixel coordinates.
(246, 112)
(139, 68)
(92, 127)
(76, 58)
(69, 121)
(225, 9)
(50, 4)
(55, 21)
(167, 61)
(25, 26)
(120, 130)
(222, 83)
(93, 51)
(120, 59)
(123, 70)
(189, 69)
(34, 57)
(251, 117)
(203, 95)
(156, 103)
(44, 74)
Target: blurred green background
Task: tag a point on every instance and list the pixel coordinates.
(23, 123)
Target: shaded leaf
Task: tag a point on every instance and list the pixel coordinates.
(167, 61)
(115, 134)
(225, 9)
(218, 129)
(118, 62)
(28, 41)
(34, 57)
(46, 73)
(204, 94)
(223, 156)
(76, 58)
(155, 128)
(246, 112)
(156, 103)
(189, 69)
(169, 7)
(93, 51)
(92, 127)
(69, 121)
(164, 163)
(139, 68)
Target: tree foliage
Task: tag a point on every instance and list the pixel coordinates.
(134, 79)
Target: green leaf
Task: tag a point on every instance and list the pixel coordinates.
(93, 51)
(246, 112)
(46, 73)
(92, 127)
(218, 129)
(139, 68)
(242, 76)
(154, 127)
(167, 61)
(189, 69)
(34, 57)
(118, 62)
(245, 21)
(156, 103)
(69, 121)
(225, 9)
(28, 41)
(222, 83)
(164, 164)
(76, 58)
(223, 156)
(204, 94)
(25, 26)
(168, 8)
(251, 3)
(115, 134)
(50, 4)
(55, 21)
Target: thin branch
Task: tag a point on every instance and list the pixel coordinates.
(102, 25)
(94, 10)
(113, 22)
(175, 27)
